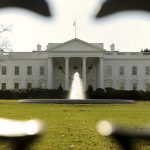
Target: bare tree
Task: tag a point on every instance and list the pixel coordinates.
(4, 42)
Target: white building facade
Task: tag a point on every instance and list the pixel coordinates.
(56, 65)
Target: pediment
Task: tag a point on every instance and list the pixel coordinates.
(75, 45)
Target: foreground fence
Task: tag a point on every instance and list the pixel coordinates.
(125, 137)
(21, 134)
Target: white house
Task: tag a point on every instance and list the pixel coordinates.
(56, 65)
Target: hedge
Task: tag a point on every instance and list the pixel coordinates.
(110, 93)
(33, 94)
(59, 93)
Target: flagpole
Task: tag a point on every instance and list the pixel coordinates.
(75, 29)
(74, 24)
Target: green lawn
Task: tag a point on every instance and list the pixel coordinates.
(73, 126)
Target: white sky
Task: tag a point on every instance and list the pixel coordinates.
(129, 31)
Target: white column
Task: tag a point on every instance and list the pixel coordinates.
(84, 72)
(66, 73)
(50, 73)
(101, 73)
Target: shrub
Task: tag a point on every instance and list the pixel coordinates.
(33, 94)
(99, 93)
(59, 93)
(89, 92)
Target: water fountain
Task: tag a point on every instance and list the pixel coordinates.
(77, 96)
(77, 91)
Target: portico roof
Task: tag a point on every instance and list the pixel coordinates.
(76, 45)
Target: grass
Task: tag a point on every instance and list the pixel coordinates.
(72, 127)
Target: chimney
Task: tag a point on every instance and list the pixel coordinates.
(112, 47)
(39, 47)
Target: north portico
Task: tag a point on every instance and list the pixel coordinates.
(55, 66)
(75, 56)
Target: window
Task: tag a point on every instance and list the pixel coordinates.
(134, 70)
(134, 86)
(147, 86)
(29, 70)
(29, 85)
(75, 68)
(147, 70)
(42, 71)
(4, 70)
(42, 85)
(122, 86)
(3, 86)
(16, 70)
(109, 84)
(109, 70)
(16, 86)
(121, 70)
(60, 68)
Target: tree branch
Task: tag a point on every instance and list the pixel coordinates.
(4, 43)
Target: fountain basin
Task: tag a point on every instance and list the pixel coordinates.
(77, 101)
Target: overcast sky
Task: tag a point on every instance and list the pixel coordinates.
(128, 31)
